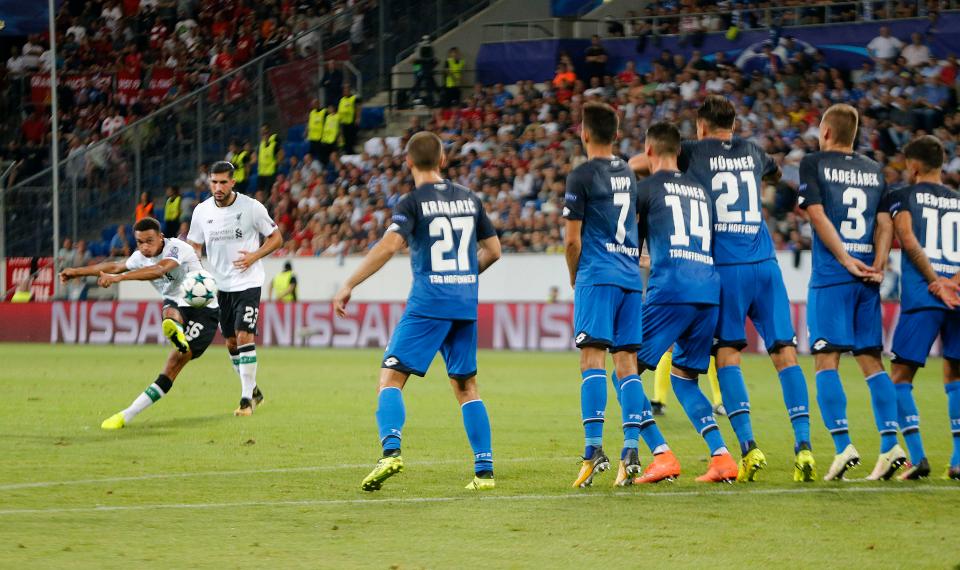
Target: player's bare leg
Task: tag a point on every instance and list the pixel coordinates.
(158, 389)
(391, 416)
(244, 346)
(476, 422)
(593, 402)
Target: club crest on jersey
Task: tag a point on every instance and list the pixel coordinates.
(239, 215)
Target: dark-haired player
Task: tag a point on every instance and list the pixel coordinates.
(164, 262)
(229, 226)
(443, 223)
(683, 293)
(926, 218)
(733, 170)
(603, 257)
(844, 194)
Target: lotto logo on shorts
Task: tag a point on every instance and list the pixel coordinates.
(391, 362)
(581, 337)
(820, 345)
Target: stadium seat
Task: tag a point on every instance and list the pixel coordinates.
(297, 133)
(372, 117)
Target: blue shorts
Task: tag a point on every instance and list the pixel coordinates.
(689, 327)
(917, 331)
(606, 316)
(754, 290)
(845, 317)
(416, 341)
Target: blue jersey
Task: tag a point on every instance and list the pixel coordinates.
(602, 194)
(675, 221)
(935, 214)
(442, 223)
(851, 189)
(733, 171)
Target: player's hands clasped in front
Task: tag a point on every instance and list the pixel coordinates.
(245, 260)
(340, 301)
(946, 290)
(860, 269)
(107, 279)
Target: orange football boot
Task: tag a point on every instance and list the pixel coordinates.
(723, 469)
(664, 467)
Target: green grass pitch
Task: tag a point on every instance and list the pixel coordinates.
(188, 485)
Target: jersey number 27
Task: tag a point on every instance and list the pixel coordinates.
(444, 228)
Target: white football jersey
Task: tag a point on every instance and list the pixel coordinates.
(170, 286)
(225, 232)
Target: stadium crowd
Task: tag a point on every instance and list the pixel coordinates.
(516, 144)
(121, 59)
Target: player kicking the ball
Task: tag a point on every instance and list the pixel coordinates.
(229, 225)
(164, 262)
(443, 223)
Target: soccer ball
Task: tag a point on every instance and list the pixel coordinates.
(199, 288)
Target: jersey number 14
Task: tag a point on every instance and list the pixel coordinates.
(699, 223)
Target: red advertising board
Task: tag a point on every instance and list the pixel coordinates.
(18, 268)
(502, 326)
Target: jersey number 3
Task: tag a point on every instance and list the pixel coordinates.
(444, 228)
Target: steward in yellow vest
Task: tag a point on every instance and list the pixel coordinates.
(315, 122)
(349, 113)
(284, 285)
(266, 159)
(452, 77)
(330, 136)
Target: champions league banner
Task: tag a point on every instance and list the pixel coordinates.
(842, 45)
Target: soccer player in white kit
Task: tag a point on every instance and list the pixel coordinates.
(229, 226)
(164, 262)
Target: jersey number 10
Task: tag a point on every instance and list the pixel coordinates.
(947, 226)
(444, 228)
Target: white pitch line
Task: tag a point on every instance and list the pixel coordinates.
(416, 500)
(307, 469)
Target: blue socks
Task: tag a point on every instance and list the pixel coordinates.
(833, 407)
(953, 408)
(794, 387)
(883, 396)
(593, 403)
(699, 410)
(909, 419)
(735, 400)
(631, 398)
(390, 418)
(477, 425)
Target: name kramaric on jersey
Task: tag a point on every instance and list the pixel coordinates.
(853, 177)
(939, 202)
(448, 208)
(725, 164)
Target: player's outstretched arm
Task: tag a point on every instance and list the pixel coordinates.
(831, 239)
(489, 253)
(381, 253)
(108, 278)
(941, 287)
(93, 270)
(572, 247)
(882, 241)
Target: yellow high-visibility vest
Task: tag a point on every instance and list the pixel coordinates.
(454, 72)
(240, 171)
(315, 124)
(280, 283)
(331, 129)
(171, 211)
(21, 297)
(267, 156)
(346, 109)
